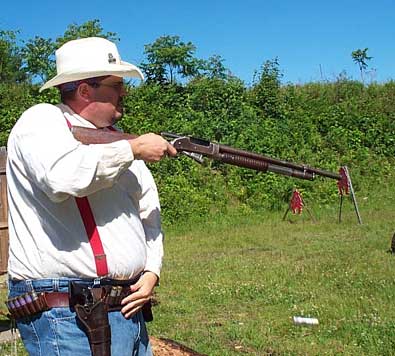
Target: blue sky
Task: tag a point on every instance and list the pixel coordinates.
(312, 40)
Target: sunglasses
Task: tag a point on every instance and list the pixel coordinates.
(93, 82)
(118, 86)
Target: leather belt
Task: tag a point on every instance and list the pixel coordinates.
(31, 304)
(57, 299)
(62, 300)
(35, 302)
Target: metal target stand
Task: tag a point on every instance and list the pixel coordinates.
(344, 184)
(297, 205)
(345, 187)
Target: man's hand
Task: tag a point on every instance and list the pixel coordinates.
(141, 293)
(151, 147)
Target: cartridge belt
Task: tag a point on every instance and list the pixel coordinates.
(33, 302)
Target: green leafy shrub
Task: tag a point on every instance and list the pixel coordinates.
(322, 124)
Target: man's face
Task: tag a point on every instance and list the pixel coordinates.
(106, 101)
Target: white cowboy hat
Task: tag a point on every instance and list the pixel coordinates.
(88, 58)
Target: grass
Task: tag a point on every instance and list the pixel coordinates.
(231, 284)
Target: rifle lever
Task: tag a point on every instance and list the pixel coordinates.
(196, 156)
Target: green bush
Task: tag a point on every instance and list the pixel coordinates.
(324, 125)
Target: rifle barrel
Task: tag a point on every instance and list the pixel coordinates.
(280, 163)
(262, 165)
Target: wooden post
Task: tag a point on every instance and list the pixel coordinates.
(3, 213)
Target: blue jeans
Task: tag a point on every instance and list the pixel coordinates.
(56, 332)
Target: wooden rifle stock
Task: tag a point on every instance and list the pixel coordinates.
(89, 136)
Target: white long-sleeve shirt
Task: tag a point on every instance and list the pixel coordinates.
(46, 169)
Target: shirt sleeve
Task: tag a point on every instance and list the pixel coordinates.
(60, 165)
(149, 208)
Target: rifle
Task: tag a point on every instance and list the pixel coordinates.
(197, 148)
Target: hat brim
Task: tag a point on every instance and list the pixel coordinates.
(124, 69)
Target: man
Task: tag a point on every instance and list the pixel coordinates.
(84, 220)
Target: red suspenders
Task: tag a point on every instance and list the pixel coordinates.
(93, 235)
(92, 232)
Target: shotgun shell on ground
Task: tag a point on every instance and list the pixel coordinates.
(300, 320)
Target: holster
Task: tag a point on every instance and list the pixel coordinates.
(92, 312)
(97, 327)
(92, 305)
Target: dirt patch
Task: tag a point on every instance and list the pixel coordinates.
(160, 346)
(167, 347)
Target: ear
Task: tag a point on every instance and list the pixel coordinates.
(84, 92)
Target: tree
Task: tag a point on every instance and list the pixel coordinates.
(10, 59)
(39, 53)
(214, 68)
(267, 87)
(38, 58)
(90, 28)
(361, 57)
(167, 58)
